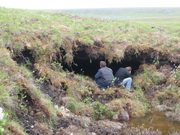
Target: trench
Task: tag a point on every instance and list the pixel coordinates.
(26, 58)
(86, 65)
(89, 66)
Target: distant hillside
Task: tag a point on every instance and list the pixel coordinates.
(121, 13)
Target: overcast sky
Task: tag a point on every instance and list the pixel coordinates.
(74, 4)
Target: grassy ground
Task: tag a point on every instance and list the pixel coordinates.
(33, 84)
(87, 29)
(166, 22)
(23, 28)
(122, 13)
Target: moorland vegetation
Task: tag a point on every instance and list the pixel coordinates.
(40, 96)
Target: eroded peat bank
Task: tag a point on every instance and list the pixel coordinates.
(47, 67)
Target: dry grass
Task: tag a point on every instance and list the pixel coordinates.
(55, 38)
(15, 129)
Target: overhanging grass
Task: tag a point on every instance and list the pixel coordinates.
(19, 22)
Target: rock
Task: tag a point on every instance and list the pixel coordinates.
(123, 115)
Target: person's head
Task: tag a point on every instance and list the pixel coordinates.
(129, 68)
(102, 64)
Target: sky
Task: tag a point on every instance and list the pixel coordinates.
(79, 4)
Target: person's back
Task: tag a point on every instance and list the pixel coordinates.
(107, 74)
(104, 77)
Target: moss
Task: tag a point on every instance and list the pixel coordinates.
(72, 105)
(149, 77)
(135, 108)
(102, 111)
(168, 97)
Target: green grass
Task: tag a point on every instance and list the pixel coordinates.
(20, 22)
(4, 92)
(167, 22)
(120, 13)
(46, 32)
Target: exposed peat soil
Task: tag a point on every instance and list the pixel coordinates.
(86, 64)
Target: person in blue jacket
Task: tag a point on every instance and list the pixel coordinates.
(104, 77)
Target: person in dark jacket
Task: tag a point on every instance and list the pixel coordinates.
(104, 77)
(123, 77)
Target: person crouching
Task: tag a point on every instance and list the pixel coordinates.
(104, 77)
(123, 77)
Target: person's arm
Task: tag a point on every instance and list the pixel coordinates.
(128, 74)
(98, 75)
